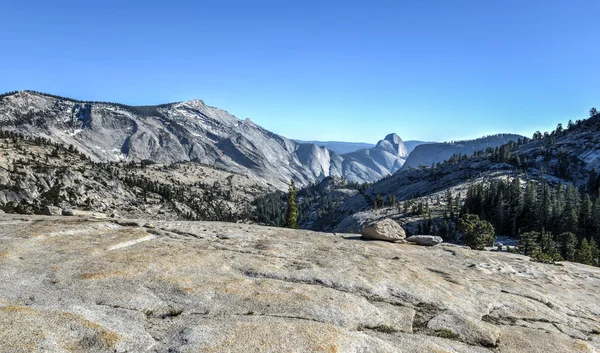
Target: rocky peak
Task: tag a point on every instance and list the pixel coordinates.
(393, 144)
(393, 138)
(194, 103)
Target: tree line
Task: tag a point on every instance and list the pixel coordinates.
(553, 222)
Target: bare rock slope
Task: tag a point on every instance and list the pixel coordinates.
(188, 131)
(82, 285)
(427, 154)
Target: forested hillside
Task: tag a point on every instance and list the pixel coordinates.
(34, 173)
(541, 191)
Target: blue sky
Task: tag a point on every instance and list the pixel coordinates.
(328, 70)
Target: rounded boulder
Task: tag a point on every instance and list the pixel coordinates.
(385, 229)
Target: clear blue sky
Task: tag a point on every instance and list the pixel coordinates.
(329, 70)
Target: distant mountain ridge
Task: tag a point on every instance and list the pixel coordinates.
(341, 147)
(187, 131)
(564, 157)
(412, 144)
(432, 153)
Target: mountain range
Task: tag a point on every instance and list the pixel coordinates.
(190, 131)
(562, 159)
(341, 147)
(194, 131)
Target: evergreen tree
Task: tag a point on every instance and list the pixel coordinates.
(586, 222)
(291, 215)
(450, 204)
(379, 201)
(592, 184)
(514, 204)
(545, 204)
(559, 129)
(570, 216)
(528, 243)
(595, 253)
(596, 219)
(567, 245)
(500, 213)
(584, 252)
(391, 200)
(477, 233)
(547, 251)
(529, 215)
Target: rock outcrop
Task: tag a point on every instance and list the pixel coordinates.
(372, 164)
(52, 211)
(425, 240)
(385, 229)
(94, 285)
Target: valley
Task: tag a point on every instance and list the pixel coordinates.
(299, 177)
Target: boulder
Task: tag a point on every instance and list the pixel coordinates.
(72, 212)
(425, 240)
(385, 229)
(52, 211)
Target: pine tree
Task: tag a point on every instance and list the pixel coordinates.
(292, 210)
(450, 203)
(545, 204)
(595, 253)
(558, 206)
(500, 213)
(592, 183)
(567, 245)
(584, 253)
(570, 216)
(515, 204)
(528, 243)
(379, 201)
(529, 217)
(586, 222)
(596, 219)
(391, 200)
(477, 233)
(546, 252)
(548, 247)
(559, 129)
